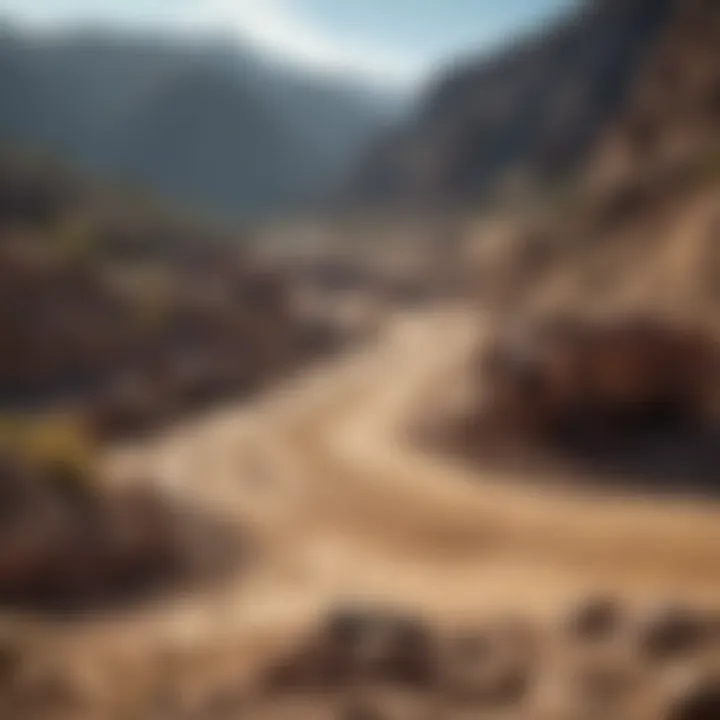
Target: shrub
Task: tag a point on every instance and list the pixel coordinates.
(55, 447)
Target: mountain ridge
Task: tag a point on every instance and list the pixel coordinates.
(199, 122)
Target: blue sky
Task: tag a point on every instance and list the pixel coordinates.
(397, 41)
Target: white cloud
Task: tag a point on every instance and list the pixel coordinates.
(277, 26)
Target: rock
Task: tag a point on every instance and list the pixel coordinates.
(356, 644)
(596, 618)
(129, 406)
(483, 667)
(672, 632)
(361, 710)
(412, 656)
(393, 647)
(699, 701)
(606, 682)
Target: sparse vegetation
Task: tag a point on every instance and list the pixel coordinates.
(57, 448)
(68, 542)
(128, 318)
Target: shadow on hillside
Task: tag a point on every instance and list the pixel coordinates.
(671, 461)
(684, 460)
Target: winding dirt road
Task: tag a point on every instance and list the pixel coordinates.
(320, 469)
(339, 505)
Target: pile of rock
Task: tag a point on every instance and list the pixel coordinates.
(600, 660)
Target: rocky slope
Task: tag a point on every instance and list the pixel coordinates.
(537, 111)
(128, 312)
(637, 227)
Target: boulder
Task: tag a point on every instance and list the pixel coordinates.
(485, 667)
(595, 618)
(700, 700)
(671, 632)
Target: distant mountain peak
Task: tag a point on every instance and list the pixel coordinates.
(216, 126)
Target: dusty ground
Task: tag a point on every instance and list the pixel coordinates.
(341, 505)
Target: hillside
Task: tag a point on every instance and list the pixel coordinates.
(130, 315)
(639, 226)
(529, 114)
(206, 123)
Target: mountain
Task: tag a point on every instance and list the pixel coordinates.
(211, 124)
(638, 228)
(531, 114)
(671, 116)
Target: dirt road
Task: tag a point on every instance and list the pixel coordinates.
(340, 505)
(320, 469)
